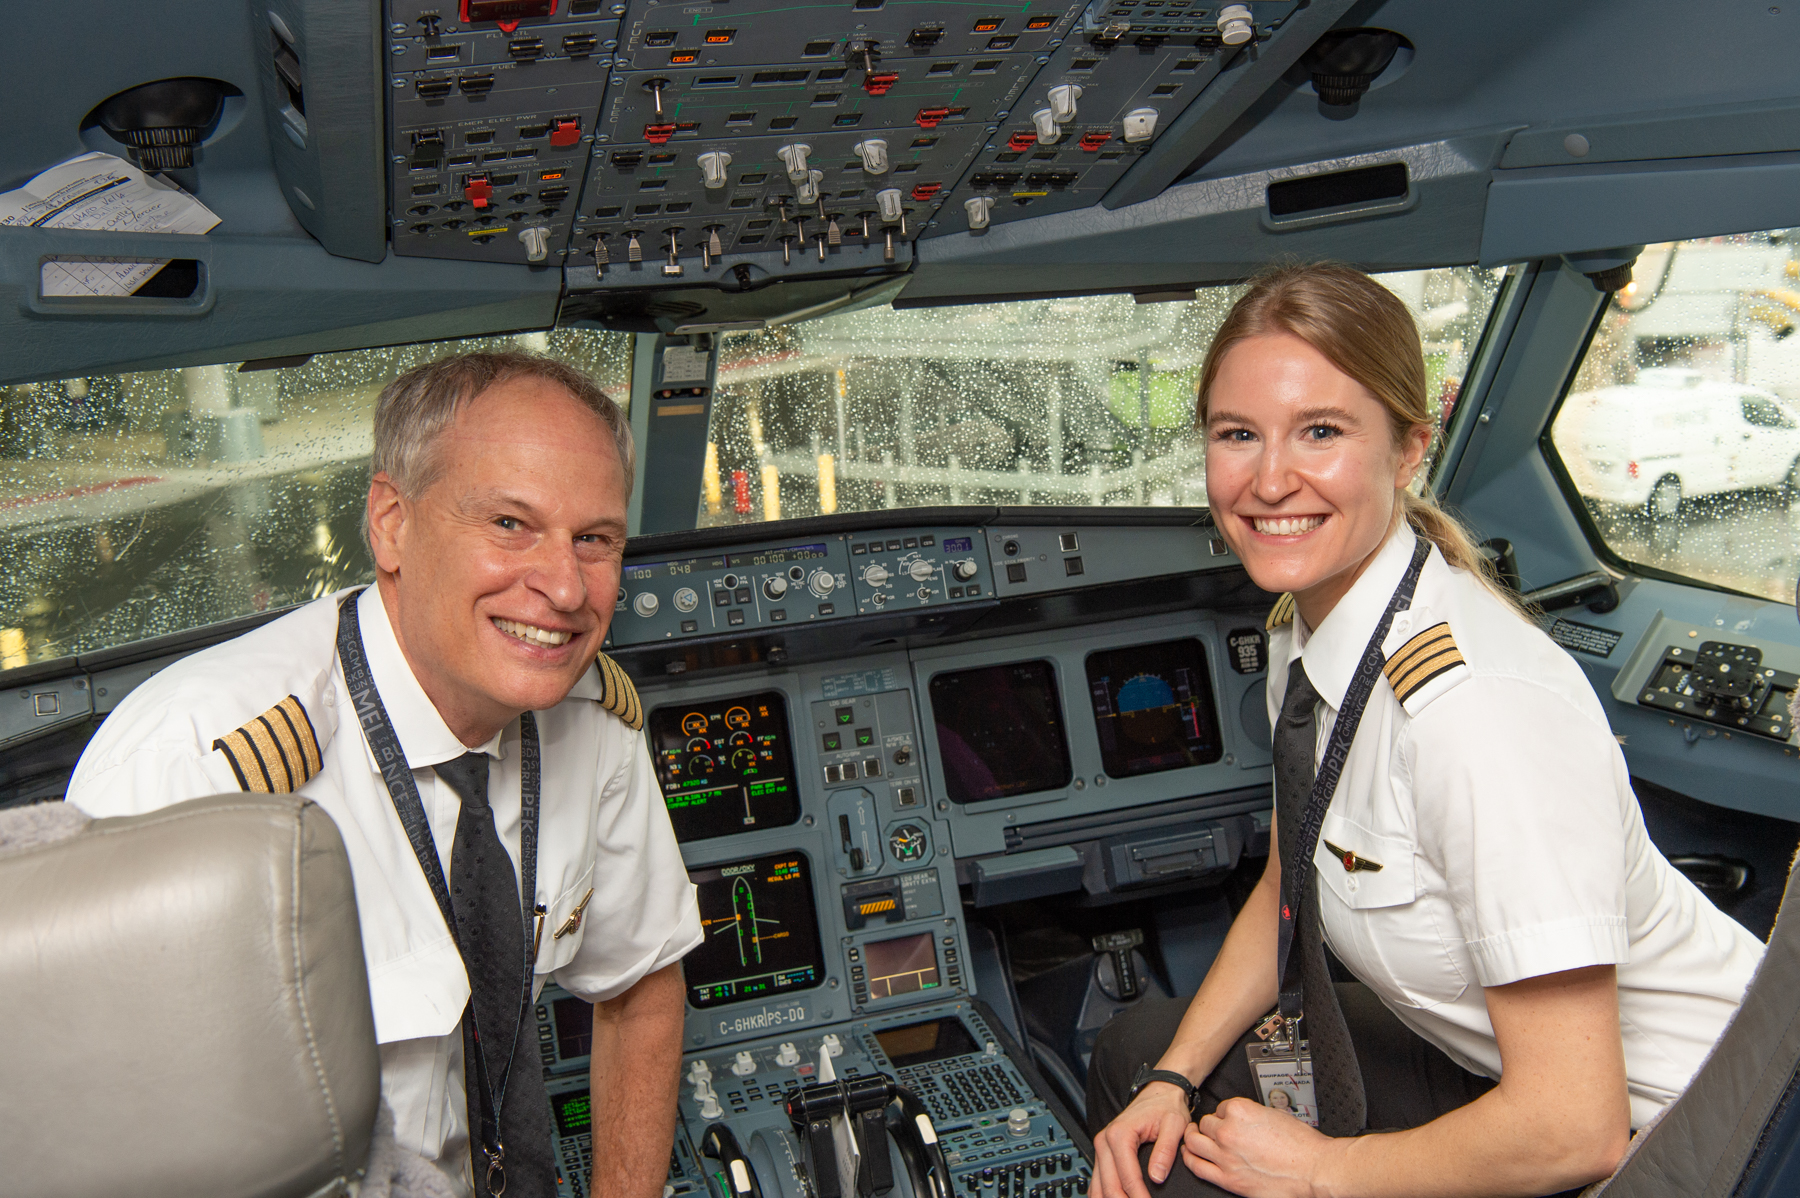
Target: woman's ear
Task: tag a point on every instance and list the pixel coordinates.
(1413, 446)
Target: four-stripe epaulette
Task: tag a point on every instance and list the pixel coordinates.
(275, 753)
(1428, 656)
(617, 694)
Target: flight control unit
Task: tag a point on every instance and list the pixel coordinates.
(862, 731)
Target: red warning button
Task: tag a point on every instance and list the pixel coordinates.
(565, 133)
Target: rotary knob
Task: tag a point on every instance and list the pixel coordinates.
(821, 583)
(963, 570)
(687, 600)
(919, 571)
(645, 604)
(875, 574)
(775, 587)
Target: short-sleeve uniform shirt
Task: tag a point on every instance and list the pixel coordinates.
(1486, 784)
(619, 903)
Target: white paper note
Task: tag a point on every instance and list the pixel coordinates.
(100, 191)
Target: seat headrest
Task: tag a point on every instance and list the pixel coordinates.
(186, 1009)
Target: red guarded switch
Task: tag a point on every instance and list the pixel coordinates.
(878, 84)
(659, 134)
(1022, 140)
(478, 192)
(926, 191)
(565, 133)
(930, 118)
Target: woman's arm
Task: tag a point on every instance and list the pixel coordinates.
(1239, 989)
(1559, 1118)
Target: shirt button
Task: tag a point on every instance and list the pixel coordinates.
(1350, 885)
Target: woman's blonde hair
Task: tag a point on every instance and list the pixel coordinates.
(1365, 331)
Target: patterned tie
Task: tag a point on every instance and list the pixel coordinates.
(484, 894)
(1336, 1077)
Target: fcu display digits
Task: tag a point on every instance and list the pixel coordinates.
(725, 765)
(1153, 708)
(761, 931)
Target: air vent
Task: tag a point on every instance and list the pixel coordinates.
(1339, 189)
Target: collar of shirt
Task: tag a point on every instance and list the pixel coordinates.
(424, 737)
(1334, 649)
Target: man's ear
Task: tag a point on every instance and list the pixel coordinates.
(387, 523)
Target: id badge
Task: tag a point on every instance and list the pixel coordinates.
(1284, 1078)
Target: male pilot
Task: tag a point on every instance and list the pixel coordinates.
(472, 669)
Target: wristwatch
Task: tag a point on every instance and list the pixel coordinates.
(1145, 1075)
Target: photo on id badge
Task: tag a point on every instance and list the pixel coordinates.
(1284, 1079)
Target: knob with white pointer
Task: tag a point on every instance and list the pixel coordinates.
(776, 587)
(821, 583)
(920, 570)
(645, 604)
(712, 168)
(794, 158)
(875, 574)
(977, 209)
(964, 570)
(1140, 125)
(887, 205)
(1048, 131)
(1062, 102)
(789, 1056)
(874, 155)
(806, 189)
(537, 242)
(744, 1065)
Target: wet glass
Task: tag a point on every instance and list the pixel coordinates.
(1061, 401)
(1681, 429)
(136, 505)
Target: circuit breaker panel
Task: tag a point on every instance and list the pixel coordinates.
(660, 141)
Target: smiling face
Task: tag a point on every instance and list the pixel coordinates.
(500, 577)
(1302, 472)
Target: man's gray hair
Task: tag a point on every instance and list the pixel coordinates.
(415, 409)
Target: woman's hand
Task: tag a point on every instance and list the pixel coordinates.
(1251, 1150)
(1159, 1113)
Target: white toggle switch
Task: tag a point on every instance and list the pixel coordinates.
(1048, 131)
(832, 1045)
(710, 1108)
(744, 1066)
(887, 205)
(703, 1089)
(807, 187)
(537, 242)
(712, 167)
(789, 1056)
(699, 1070)
(1236, 25)
(1140, 124)
(794, 158)
(874, 155)
(977, 209)
(1062, 102)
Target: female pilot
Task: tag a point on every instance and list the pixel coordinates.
(1453, 814)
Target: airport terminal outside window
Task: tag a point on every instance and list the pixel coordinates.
(135, 505)
(1060, 401)
(1681, 429)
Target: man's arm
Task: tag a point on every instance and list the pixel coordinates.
(634, 1077)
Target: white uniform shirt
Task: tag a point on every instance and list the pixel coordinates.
(1499, 807)
(602, 827)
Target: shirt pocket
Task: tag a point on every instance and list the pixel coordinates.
(1365, 887)
(565, 923)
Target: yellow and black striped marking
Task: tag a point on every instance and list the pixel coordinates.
(617, 694)
(275, 753)
(1281, 613)
(1429, 655)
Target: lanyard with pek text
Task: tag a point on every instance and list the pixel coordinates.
(397, 774)
(1297, 872)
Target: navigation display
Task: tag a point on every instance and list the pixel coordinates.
(725, 765)
(904, 965)
(1153, 708)
(1000, 731)
(762, 932)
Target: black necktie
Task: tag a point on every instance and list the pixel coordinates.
(1337, 1080)
(490, 924)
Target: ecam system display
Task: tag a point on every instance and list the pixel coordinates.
(1000, 731)
(761, 931)
(726, 765)
(1153, 708)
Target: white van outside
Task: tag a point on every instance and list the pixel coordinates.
(1674, 435)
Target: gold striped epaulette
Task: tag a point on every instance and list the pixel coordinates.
(275, 753)
(617, 694)
(1281, 613)
(1431, 654)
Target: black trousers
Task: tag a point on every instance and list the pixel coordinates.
(1407, 1081)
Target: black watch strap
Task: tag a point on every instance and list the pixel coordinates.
(1145, 1075)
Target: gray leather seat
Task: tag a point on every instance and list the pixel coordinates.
(183, 1003)
(1703, 1141)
